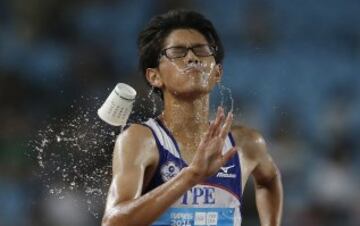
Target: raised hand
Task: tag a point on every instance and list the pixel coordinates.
(208, 158)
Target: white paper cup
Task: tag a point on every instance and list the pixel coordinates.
(117, 107)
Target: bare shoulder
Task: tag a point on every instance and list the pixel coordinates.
(252, 146)
(250, 142)
(135, 144)
(133, 154)
(136, 134)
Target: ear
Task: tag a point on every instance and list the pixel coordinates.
(153, 77)
(218, 72)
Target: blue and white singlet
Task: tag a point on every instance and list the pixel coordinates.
(215, 202)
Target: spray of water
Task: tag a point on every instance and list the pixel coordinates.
(74, 154)
(205, 69)
(151, 96)
(226, 94)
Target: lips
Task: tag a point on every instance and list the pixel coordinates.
(194, 67)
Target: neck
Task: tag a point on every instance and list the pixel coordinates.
(186, 116)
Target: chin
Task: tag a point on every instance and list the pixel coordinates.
(193, 92)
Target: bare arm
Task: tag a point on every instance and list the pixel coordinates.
(126, 205)
(268, 186)
(267, 179)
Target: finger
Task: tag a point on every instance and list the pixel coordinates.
(217, 121)
(214, 123)
(226, 127)
(210, 131)
(228, 155)
(219, 113)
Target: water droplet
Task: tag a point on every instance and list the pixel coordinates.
(68, 149)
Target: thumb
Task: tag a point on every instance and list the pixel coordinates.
(228, 155)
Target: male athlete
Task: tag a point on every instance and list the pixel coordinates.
(180, 168)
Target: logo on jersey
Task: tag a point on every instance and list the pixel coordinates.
(169, 170)
(225, 172)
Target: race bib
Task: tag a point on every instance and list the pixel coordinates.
(196, 217)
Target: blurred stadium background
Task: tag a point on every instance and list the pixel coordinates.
(293, 68)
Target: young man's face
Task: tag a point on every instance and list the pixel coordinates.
(187, 72)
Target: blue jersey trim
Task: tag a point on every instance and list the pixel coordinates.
(154, 135)
(232, 140)
(153, 184)
(170, 135)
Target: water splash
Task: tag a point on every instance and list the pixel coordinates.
(151, 96)
(226, 98)
(205, 69)
(74, 152)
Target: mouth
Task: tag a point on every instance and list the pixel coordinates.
(194, 68)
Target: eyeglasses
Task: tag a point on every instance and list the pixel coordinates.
(204, 50)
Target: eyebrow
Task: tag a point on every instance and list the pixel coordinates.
(181, 45)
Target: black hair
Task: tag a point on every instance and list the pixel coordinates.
(151, 39)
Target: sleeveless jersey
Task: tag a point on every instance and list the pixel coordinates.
(214, 202)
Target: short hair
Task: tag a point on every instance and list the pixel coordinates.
(151, 39)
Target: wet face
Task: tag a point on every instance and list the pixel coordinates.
(187, 67)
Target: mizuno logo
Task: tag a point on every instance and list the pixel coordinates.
(225, 169)
(225, 174)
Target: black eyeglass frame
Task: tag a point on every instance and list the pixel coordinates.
(212, 48)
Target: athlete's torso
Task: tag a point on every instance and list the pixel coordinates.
(216, 201)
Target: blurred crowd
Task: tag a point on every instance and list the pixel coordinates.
(292, 68)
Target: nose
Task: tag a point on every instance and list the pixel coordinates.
(191, 57)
